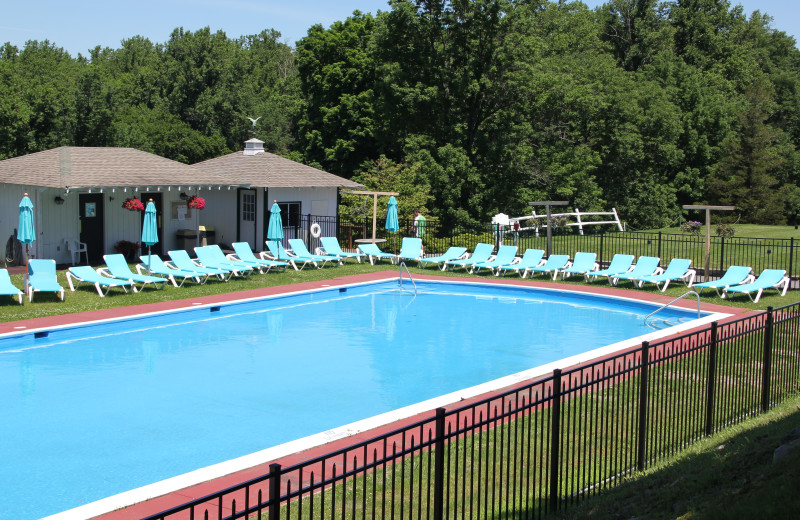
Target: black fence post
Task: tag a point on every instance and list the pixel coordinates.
(791, 260)
(711, 383)
(438, 467)
(555, 439)
(765, 384)
(643, 405)
(602, 234)
(274, 491)
(722, 254)
(659, 244)
(308, 235)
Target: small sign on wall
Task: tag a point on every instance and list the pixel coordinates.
(90, 209)
(181, 211)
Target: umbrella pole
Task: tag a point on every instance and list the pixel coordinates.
(27, 267)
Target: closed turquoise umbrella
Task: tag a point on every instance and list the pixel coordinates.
(392, 222)
(26, 231)
(275, 229)
(149, 228)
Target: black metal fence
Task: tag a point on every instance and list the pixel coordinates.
(544, 445)
(758, 253)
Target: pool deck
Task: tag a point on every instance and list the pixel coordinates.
(161, 503)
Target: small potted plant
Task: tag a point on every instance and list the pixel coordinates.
(133, 205)
(197, 202)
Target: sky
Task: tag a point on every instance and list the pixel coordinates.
(80, 25)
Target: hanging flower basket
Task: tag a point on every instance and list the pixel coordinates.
(197, 202)
(127, 248)
(133, 205)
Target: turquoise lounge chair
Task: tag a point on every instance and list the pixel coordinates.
(619, 264)
(8, 288)
(735, 275)
(180, 260)
(530, 258)
(678, 269)
(505, 255)
(153, 264)
(299, 248)
(117, 267)
(410, 249)
(279, 253)
(42, 277)
(212, 256)
(84, 273)
(554, 264)
(482, 253)
(645, 266)
(768, 279)
(330, 245)
(453, 253)
(373, 252)
(244, 253)
(581, 264)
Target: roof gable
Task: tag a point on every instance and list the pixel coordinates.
(272, 171)
(89, 167)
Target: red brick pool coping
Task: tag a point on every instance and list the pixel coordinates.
(167, 501)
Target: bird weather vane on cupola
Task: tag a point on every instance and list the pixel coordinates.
(254, 121)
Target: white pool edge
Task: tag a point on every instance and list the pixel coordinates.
(222, 469)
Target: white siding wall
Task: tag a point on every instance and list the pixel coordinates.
(55, 222)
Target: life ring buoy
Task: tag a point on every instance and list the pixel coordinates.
(316, 231)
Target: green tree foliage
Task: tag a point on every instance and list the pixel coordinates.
(466, 107)
(744, 177)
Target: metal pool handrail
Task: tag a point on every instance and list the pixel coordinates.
(403, 266)
(673, 301)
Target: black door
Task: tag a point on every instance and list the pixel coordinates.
(157, 248)
(91, 219)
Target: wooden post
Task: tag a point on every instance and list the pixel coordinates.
(706, 272)
(547, 204)
(374, 205)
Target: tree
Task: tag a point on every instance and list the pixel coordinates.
(743, 177)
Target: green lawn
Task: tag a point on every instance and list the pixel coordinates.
(85, 298)
(744, 231)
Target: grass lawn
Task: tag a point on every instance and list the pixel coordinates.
(744, 231)
(728, 475)
(85, 298)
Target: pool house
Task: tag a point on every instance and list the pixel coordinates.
(80, 194)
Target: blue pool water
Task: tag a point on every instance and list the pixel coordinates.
(96, 410)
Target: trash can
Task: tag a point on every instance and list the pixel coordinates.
(207, 235)
(186, 238)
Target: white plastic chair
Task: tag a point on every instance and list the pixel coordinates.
(75, 248)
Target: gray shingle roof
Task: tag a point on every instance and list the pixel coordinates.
(89, 167)
(271, 171)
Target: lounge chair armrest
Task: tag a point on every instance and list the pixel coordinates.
(320, 251)
(104, 272)
(233, 256)
(142, 269)
(658, 271)
(170, 264)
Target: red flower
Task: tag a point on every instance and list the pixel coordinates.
(197, 202)
(133, 205)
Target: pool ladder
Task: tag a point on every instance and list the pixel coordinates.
(403, 266)
(673, 301)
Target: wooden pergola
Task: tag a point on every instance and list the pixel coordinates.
(708, 210)
(375, 195)
(547, 204)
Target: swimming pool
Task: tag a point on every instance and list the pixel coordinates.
(99, 409)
